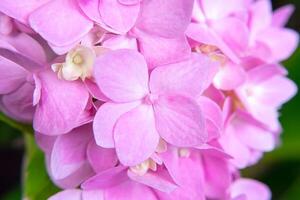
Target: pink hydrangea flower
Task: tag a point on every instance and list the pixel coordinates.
(150, 99)
(20, 56)
(145, 110)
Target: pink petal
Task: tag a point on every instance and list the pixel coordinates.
(215, 9)
(11, 77)
(69, 152)
(229, 77)
(75, 179)
(60, 22)
(186, 172)
(95, 90)
(130, 133)
(206, 35)
(101, 158)
(171, 50)
(27, 46)
(261, 16)
(227, 29)
(20, 9)
(91, 9)
(179, 120)
(6, 25)
(17, 49)
(289, 44)
(234, 147)
(93, 195)
(252, 134)
(156, 180)
(62, 105)
(118, 16)
(213, 116)
(19, 104)
(45, 142)
(106, 179)
(282, 15)
(120, 42)
(129, 2)
(74, 194)
(105, 121)
(130, 190)
(165, 18)
(194, 76)
(251, 189)
(260, 91)
(122, 75)
(217, 176)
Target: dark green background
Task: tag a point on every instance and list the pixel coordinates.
(280, 169)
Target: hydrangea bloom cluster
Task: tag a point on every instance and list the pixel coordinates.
(148, 99)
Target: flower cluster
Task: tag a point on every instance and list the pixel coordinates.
(148, 99)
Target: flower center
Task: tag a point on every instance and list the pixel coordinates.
(79, 63)
(150, 99)
(77, 59)
(142, 168)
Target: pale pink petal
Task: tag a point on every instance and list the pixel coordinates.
(215, 9)
(180, 121)
(213, 117)
(20, 9)
(19, 104)
(251, 133)
(229, 76)
(228, 28)
(61, 50)
(190, 77)
(259, 89)
(60, 22)
(252, 189)
(131, 131)
(261, 16)
(105, 179)
(37, 90)
(282, 15)
(160, 50)
(118, 16)
(217, 176)
(122, 75)
(91, 9)
(74, 194)
(11, 77)
(45, 142)
(159, 180)
(74, 179)
(203, 34)
(6, 24)
(69, 152)
(129, 2)
(120, 42)
(95, 90)
(234, 147)
(289, 44)
(101, 158)
(130, 190)
(93, 195)
(186, 172)
(105, 120)
(165, 18)
(61, 106)
(27, 46)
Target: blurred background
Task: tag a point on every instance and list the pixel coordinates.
(279, 169)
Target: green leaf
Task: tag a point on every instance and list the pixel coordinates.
(36, 182)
